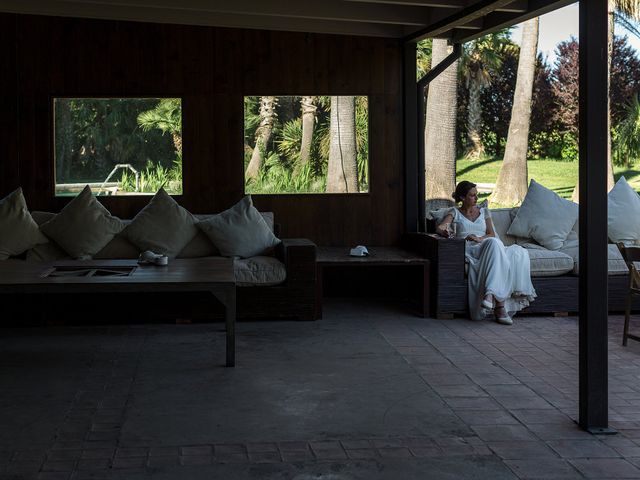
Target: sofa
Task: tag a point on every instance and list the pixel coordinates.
(554, 268)
(275, 281)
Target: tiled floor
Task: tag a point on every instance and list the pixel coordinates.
(369, 392)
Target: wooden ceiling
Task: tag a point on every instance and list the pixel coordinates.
(459, 20)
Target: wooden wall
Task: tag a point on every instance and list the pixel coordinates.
(211, 69)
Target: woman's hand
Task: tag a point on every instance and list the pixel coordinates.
(474, 238)
(443, 232)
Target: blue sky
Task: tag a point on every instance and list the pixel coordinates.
(560, 25)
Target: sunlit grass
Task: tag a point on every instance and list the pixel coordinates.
(559, 176)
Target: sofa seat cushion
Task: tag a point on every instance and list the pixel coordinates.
(259, 271)
(548, 263)
(616, 263)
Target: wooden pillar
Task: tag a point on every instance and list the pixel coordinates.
(409, 103)
(593, 411)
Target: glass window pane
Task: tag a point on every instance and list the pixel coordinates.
(120, 146)
(306, 144)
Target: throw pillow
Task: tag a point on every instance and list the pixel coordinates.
(239, 231)
(545, 217)
(624, 213)
(18, 230)
(83, 227)
(163, 226)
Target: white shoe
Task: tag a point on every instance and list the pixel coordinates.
(504, 318)
(486, 303)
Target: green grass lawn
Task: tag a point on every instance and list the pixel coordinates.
(556, 175)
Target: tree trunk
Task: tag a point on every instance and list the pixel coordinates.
(308, 107)
(64, 153)
(511, 186)
(576, 191)
(263, 135)
(474, 121)
(342, 171)
(440, 131)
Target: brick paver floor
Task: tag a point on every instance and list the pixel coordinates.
(370, 391)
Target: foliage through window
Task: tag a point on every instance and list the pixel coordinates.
(306, 144)
(121, 146)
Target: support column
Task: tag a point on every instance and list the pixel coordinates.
(411, 173)
(593, 411)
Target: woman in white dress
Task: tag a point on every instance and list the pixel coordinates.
(499, 276)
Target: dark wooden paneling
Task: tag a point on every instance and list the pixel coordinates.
(211, 69)
(9, 164)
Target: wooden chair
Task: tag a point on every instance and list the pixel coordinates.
(631, 256)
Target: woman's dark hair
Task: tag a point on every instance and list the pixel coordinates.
(462, 189)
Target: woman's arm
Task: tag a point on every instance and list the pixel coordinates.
(442, 228)
(490, 231)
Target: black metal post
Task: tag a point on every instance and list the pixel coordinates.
(410, 137)
(593, 411)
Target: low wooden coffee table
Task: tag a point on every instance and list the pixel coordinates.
(212, 274)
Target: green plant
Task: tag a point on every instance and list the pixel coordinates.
(153, 178)
(626, 135)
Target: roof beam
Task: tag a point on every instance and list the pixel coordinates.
(65, 8)
(495, 21)
(468, 14)
(450, 4)
(333, 10)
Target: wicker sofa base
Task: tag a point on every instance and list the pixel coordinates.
(449, 283)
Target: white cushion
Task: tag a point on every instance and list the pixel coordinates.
(239, 231)
(259, 271)
(83, 227)
(548, 263)
(162, 226)
(18, 230)
(545, 217)
(624, 213)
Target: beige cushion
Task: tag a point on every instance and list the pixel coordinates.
(199, 246)
(615, 262)
(47, 252)
(623, 217)
(83, 227)
(501, 218)
(162, 226)
(18, 230)
(118, 248)
(239, 231)
(545, 217)
(548, 263)
(259, 271)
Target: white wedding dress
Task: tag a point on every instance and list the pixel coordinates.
(494, 269)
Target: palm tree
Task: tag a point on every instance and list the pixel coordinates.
(308, 108)
(166, 116)
(342, 168)
(263, 135)
(624, 12)
(440, 131)
(511, 186)
(482, 58)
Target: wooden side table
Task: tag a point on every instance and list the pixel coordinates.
(328, 257)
